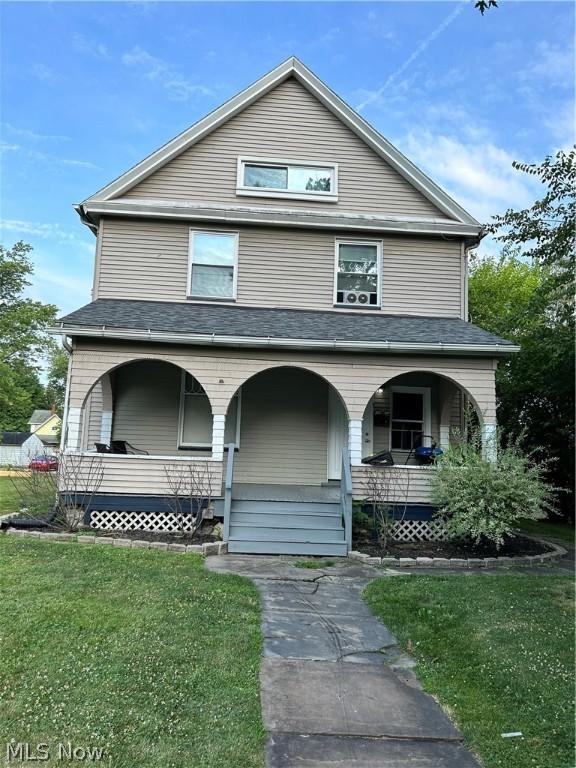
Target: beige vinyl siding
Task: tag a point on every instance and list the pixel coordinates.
(288, 123)
(279, 267)
(284, 429)
(143, 475)
(93, 417)
(410, 486)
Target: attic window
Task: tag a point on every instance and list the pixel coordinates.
(288, 179)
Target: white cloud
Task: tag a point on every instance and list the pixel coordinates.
(551, 63)
(82, 44)
(46, 231)
(6, 147)
(479, 175)
(26, 133)
(178, 87)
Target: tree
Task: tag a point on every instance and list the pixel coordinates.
(56, 381)
(526, 295)
(23, 339)
(484, 5)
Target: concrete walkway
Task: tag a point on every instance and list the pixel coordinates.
(336, 690)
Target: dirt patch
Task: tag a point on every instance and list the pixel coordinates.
(514, 546)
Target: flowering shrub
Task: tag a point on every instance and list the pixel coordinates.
(477, 499)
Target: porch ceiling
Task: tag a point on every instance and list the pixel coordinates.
(209, 323)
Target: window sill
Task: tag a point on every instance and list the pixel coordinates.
(315, 197)
(369, 307)
(228, 300)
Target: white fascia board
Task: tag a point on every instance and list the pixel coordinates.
(277, 217)
(327, 97)
(278, 343)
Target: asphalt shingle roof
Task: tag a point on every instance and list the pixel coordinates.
(179, 317)
(39, 417)
(15, 438)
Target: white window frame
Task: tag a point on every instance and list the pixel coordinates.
(242, 189)
(191, 234)
(203, 446)
(181, 443)
(353, 241)
(426, 416)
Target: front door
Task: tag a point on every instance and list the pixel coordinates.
(337, 434)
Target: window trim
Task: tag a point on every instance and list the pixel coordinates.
(357, 241)
(181, 443)
(426, 415)
(216, 231)
(241, 189)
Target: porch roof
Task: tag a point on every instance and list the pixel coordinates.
(228, 325)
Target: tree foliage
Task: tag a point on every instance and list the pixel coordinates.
(56, 380)
(526, 295)
(24, 341)
(484, 5)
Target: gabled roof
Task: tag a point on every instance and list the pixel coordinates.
(39, 416)
(179, 322)
(292, 67)
(15, 438)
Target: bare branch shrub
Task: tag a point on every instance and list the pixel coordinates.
(191, 494)
(79, 479)
(387, 488)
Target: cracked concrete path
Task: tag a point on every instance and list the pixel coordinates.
(336, 690)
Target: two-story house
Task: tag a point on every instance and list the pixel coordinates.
(281, 278)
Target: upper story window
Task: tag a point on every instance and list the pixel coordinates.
(289, 179)
(357, 282)
(212, 267)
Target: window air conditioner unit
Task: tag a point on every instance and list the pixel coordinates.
(364, 298)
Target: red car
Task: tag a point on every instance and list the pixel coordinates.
(44, 463)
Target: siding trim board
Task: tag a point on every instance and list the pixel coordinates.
(292, 67)
(172, 209)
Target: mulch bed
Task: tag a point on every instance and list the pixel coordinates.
(203, 536)
(514, 546)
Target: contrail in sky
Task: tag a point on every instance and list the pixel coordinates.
(413, 56)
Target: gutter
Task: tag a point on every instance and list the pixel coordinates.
(213, 339)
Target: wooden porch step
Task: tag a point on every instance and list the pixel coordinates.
(242, 532)
(287, 519)
(285, 507)
(333, 548)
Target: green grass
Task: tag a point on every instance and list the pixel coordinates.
(498, 652)
(143, 653)
(562, 531)
(313, 564)
(9, 498)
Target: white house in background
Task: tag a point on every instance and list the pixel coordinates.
(19, 448)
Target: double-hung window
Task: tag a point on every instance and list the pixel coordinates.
(279, 178)
(409, 418)
(212, 268)
(357, 280)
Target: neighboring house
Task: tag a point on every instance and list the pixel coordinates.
(19, 448)
(46, 425)
(279, 277)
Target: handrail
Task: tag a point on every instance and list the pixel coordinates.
(346, 497)
(228, 491)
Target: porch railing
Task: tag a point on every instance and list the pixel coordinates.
(228, 491)
(346, 497)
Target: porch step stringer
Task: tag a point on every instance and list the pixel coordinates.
(286, 527)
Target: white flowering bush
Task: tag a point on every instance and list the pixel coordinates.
(478, 499)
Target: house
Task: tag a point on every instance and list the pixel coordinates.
(19, 448)
(46, 425)
(279, 278)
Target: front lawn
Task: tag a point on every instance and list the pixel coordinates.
(544, 528)
(498, 652)
(9, 498)
(143, 653)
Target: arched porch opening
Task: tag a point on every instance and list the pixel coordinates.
(291, 427)
(156, 407)
(416, 409)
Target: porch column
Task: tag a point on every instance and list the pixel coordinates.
(73, 423)
(444, 436)
(355, 441)
(106, 427)
(489, 442)
(218, 436)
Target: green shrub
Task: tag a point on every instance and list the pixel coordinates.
(477, 499)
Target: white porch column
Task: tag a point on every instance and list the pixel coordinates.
(106, 427)
(489, 442)
(355, 441)
(73, 423)
(218, 437)
(444, 436)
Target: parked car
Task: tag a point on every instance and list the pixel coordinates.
(44, 463)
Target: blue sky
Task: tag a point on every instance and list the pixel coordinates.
(89, 89)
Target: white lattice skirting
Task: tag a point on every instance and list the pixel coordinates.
(417, 530)
(116, 520)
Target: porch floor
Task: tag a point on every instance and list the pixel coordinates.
(295, 493)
